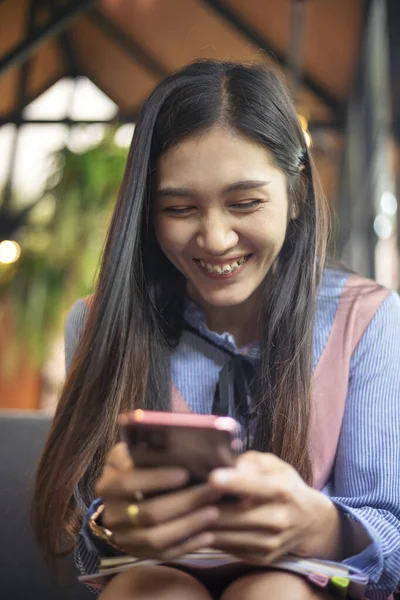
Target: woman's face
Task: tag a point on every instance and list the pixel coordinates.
(220, 214)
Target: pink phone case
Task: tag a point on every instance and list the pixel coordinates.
(198, 443)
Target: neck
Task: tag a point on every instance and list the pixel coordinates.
(242, 321)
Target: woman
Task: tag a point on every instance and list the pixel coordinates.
(216, 253)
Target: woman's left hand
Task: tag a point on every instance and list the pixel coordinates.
(277, 512)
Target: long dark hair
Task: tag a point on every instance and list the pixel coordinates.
(122, 360)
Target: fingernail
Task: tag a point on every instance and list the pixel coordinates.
(221, 475)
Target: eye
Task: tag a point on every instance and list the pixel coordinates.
(244, 205)
(178, 210)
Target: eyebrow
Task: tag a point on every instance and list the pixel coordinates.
(249, 184)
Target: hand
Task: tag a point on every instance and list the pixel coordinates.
(169, 525)
(278, 512)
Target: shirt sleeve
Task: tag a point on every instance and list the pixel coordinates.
(86, 553)
(366, 478)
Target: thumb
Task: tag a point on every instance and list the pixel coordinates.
(249, 461)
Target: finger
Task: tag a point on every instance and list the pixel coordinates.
(248, 542)
(192, 544)
(249, 483)
(171, 506)
(261, 461)
(268, 517)
(287, 544)
(114, 484)
(197, 542)
(167, 535)
(160, 509)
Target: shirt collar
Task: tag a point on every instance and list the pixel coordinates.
(195, 316)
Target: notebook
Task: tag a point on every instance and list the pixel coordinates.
(341, 580)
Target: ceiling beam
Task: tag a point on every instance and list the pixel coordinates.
(260, 41)
(63, 17)
(127, 44)
(119, 119)
(70, 61)
(65, 45)
(24, 72)
(131, 118)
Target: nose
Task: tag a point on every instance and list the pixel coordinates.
(216, 236)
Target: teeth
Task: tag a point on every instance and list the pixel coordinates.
(223, 269)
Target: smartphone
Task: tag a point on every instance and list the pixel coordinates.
(198, 443)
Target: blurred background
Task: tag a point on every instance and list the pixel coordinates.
(73, 76)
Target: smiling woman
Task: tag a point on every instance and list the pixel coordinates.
(213, 296)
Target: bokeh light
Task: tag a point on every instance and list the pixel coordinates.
(383, 227)
(10, 252)
(389, 203)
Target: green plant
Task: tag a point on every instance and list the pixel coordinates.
(61, 240)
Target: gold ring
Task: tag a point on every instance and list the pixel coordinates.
(108, 534)
(133, 514)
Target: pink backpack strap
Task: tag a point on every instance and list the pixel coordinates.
(359, 302)
(178, 402)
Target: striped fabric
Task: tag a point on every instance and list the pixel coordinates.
(365, 482)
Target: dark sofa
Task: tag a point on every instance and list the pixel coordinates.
(23, 575)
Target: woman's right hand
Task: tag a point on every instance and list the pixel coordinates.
(168, 525)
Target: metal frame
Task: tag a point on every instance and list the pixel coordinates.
(366, 167)
(393, 9)
(259, 40)
(21, 100)
(295, 54)
(129, 118)
(119, 119)
(65, 44)
(61, 18)
(21, 52)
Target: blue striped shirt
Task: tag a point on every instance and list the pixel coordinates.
(365, 480)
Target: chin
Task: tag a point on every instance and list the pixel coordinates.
(223, 300)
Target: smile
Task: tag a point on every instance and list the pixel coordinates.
(222, 269)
